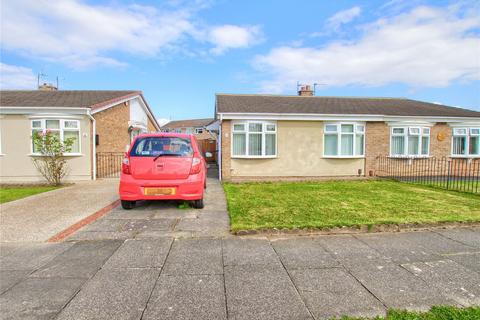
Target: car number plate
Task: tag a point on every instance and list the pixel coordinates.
(159, 191)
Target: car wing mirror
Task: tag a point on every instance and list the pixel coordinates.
(208, 154)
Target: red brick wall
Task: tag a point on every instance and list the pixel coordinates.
(226, 141)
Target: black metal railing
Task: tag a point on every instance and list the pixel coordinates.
(109, 164)
(448, 173)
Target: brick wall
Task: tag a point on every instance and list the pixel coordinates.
(440, 140)
(377, 142)
(112, 128)
(226, 141)
(151, 126)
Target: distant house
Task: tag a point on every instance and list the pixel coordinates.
(265, 137)
(102, 122)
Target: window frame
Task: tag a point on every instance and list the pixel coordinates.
(199, 130)
(61, 130)
(411, 131)
(468, 134)
(246, 131)
(339, 134)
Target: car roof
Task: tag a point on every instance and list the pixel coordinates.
(166, 134)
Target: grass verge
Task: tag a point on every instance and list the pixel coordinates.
(435, 313)
(344, 203)
(14, 193)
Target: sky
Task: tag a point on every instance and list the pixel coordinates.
(180, 53)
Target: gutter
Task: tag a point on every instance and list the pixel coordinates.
(94, 147)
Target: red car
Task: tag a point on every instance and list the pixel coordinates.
(163, 166)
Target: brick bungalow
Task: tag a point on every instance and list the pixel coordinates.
(100, 121)
(271, 137)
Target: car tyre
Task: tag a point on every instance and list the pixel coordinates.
(127, 205)
(198, 204)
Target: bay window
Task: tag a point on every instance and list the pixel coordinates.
(466, 142)
(410, 141)
(254, 139)
(62, 128)
(343, 140)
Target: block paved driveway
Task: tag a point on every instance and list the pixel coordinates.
(158, 262)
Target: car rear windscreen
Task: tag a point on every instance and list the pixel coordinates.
(162, 146)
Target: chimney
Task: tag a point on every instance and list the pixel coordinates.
(47, 87)
(305, 91)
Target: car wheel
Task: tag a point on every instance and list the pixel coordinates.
(198, 204)
(127, 205)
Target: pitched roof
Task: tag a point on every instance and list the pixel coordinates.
(250, 103)
(191, 123)
(63, 98)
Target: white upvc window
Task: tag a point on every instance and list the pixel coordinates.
(466, 142)
(410, 142)
(254, 139)
(344, 140)
(62, 128)
(198, 130)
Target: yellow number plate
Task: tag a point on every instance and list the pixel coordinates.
(159, 191)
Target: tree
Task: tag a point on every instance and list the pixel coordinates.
(51, 162)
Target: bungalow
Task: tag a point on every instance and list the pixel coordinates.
(269, 137)
(102, 122)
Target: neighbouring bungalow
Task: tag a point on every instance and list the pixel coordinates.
(101, 122)
(272, 137)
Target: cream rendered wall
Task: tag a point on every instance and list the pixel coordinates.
(300, 150)
(16, 163)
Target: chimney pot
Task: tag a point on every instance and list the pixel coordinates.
(306, 91)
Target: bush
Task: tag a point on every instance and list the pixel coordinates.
(51, 162)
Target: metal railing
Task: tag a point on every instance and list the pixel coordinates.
(109, 164)
(447, 173)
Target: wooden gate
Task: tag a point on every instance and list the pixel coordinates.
(208, 146)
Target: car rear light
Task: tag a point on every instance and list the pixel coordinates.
(196, 166)
(126, 165)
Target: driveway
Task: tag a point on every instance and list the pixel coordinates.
(160, 262)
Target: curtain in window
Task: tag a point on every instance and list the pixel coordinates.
(459, 145)
(331, 141)
(425, 143)
(255, 144)
(413, 145)
(76, 143)
(346, 147)
(398, 145)
(239, 144)
(359, 145)
(474, 145)
(270, 145)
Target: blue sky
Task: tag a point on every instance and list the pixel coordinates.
(180, 53)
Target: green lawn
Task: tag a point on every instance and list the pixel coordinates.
(344, 203)
(435, 313)
(13, 193)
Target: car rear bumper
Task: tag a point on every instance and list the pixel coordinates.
(186, 189)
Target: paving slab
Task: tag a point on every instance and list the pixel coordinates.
(7, 248)
(205, 226)
(146, 253)
(260, 292)
(148, 234)
(456, 281)
(9, 278)
(82, 260)
(436, 243)
(239, 251)
(113, 294)
(396, 287)
(187, 297)
(120, 213)
(470, 237)
(37, 298)
(102, 235)
(304, 252)
(31, 256)
(470, 261)
(194, 256)
(333, 292)
(399, 248)
(347, 247)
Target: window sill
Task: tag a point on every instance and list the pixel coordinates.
(343, 157)
(253, 157)
(65, 155)
(465, 156)
(409, 157)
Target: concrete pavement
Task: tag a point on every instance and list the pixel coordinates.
(39, 217)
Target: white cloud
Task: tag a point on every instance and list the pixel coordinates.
(343, 17)
(426, 47)
(227, 37)
(80, 34)
(15, 77)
